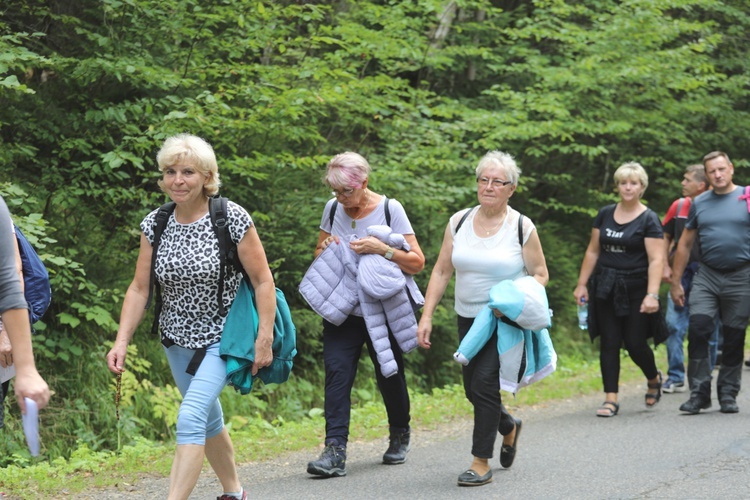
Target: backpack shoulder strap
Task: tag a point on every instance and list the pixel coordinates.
(335, 204)
(332, 213)
(746, 196)
(680, 203)
(520, 229)
(160, 223)
(218, 211)
(463, 219)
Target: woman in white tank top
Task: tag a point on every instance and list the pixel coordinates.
(485, 245)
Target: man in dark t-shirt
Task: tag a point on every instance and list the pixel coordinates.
(720, 218)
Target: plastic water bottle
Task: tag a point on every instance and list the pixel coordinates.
(583, 315)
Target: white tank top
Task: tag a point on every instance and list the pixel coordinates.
(482, 262)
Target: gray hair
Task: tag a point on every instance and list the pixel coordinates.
(502, 160)
(716, 154)
(699, 173)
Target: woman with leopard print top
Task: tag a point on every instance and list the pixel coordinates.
(187, 267)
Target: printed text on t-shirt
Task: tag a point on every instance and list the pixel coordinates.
(613, 248)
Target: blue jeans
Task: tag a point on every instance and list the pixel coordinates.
(677, 324)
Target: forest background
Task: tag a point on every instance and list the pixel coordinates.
(89, 89)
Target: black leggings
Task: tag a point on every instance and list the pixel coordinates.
(630, 330)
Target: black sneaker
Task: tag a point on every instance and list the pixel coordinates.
(729, 405)
(332, 462)
(397, 449)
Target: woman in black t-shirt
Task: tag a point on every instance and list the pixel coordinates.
(621, 271)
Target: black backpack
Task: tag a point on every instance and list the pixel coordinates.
(217, 209)
(335, 204)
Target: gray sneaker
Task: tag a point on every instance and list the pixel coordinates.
(397, 449)
(669, 386)
(332, 462)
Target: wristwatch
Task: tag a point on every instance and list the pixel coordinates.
(653, 296)
(389, 253)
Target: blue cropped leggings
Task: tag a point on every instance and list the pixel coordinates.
(200, 416)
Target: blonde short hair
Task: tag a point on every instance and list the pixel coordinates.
(632, 170)
(192, 150)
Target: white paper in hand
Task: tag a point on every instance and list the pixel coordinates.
(7, 373)
(31, 426)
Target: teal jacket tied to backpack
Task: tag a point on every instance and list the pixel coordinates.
(237, 346)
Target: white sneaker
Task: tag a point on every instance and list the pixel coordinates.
(669, 386)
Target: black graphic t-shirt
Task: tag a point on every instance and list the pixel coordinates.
(622, 245)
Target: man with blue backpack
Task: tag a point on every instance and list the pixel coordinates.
(34, 281)
(29, 384)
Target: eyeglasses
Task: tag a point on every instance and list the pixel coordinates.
(346, 192)
(496, 183)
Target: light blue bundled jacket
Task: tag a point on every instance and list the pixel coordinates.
(525, 347)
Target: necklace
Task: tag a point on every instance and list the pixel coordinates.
(362, 211)
(488, 231)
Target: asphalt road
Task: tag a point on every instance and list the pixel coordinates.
(564, 452)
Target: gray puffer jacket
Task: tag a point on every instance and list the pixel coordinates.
(385, 301)
(339, 283)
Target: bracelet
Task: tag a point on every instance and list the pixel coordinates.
(653, 295)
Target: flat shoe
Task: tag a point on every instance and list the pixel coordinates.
(508, 453)
(471, 478)
(608, 409)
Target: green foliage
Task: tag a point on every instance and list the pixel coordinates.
(90, 89)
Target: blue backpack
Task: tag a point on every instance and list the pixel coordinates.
(36, 285)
